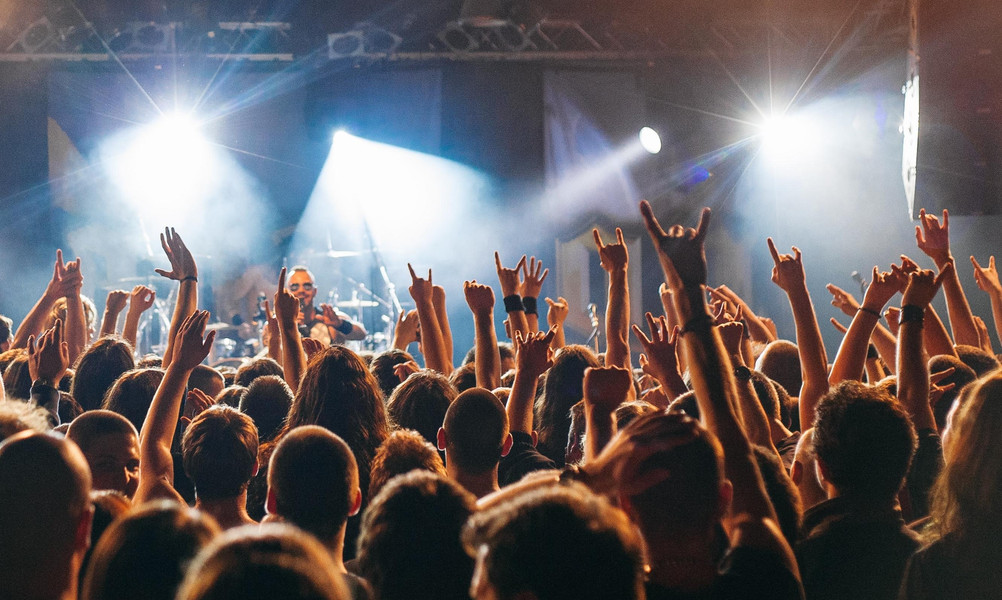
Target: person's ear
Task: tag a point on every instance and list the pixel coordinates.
(535, 438)
(797, 472)
(257, 466)
(823, 472)
(271, 503)
(356, 503)
(506, 445)
(725, 496)
(440, 438)
(82, 534)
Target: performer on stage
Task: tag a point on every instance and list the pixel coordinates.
(325, 323)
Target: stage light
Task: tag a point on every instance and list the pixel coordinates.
(787, 138)
(650, 140)
(341, 135)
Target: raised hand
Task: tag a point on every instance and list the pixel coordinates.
(533, 355)
(117, 299)
(190, 349)
(680, 250)
(182, 263)
(404, 370)
(882, 287)
(787, 270)
(892, 315)
(922, 287)
(659, 359)
(557, 313)
(286, 305)
(532, 279)
(987, 278)
(311, 346)
(141, 299)
(479, 297)
(732, 334)
(421, 289)
(605, 388)
(901, 273)
(933, 237)
(195, 402)
(614, 257)
(407, 329)
(509, 278)
(50, 357)
(843, 300)
(330, 315)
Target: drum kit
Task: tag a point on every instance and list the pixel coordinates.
(245, 338)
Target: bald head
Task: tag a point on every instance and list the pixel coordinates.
(475, 428)
(45, 521)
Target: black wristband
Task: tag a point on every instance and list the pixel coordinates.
(911, 313)
(530, 305)
(190, 278)
(701, 322)
(345, 327)
(513, 303)
(875, 313)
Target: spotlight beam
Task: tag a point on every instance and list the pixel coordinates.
(114, 55)
(734, 80)
(703, 112)
(822, 56)
(255, 155)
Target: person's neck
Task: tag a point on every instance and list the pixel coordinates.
(336, 547)
(228, 512)
(681, 561)
(478, 484)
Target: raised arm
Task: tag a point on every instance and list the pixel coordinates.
(851, 357)
(659, 359)
(76, 334)
(615, 259)
(987, 279)
(113, 307)
(756, 422)
(287, 314)
(47, 363)
(529, 286)
(406, 330)
(480, 298)
(432, 342)
(533, 356)
(556, 314)
(933, 238)
(156, 466)
(913, 369)
(508, 278)
(140, 300)
(684, 264)
(757, 329)
(605, 388)
(438, 300)
(185, 272)
(61, 285)
(788, 274)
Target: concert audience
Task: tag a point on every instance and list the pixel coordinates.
(694, 476)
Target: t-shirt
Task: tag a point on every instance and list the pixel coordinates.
(743, 574)
(522, 459)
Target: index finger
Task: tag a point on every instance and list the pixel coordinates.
(772, 250)
(411, 269)
(704, 224)
(519, 266)
(281, 280)
(619, 237)
(651, 222)
(497, 261)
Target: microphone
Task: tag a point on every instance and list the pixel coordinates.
(593, 315)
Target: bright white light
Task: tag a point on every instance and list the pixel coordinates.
(401, 193)
(650, 140)
(786, 138)
(166, 164)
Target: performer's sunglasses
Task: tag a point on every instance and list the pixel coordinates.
(294, 287)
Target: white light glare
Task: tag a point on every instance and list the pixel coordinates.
(650, 140)
(786, 137)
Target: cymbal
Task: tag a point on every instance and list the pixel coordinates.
(334, 253)
(357, 304)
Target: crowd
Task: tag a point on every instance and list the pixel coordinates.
(727, 464)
